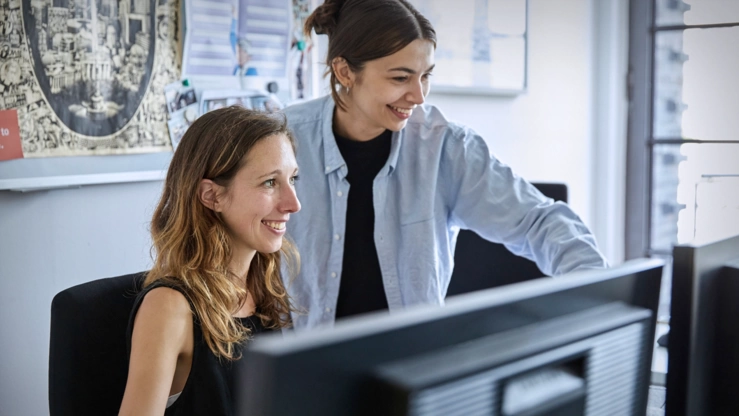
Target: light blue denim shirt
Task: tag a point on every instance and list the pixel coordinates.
(440, 177)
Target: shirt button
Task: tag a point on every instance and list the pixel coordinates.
(328, 310)
(339, 193)
(333, 274)
(336, 236)
(328, 168)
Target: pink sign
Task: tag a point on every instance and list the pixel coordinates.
(10, 137)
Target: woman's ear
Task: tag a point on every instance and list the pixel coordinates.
(343, 72)
(209, 193)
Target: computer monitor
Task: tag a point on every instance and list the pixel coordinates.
(700, 311)
(579, 344)
(726, 375)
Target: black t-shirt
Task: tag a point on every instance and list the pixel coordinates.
(361, 289)
(208, 387)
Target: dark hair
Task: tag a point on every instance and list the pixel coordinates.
(363, 30)
(192, 243)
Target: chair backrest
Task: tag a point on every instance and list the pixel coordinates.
(480, 264)
(88, 357)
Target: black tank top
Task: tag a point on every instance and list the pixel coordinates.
(207, 390)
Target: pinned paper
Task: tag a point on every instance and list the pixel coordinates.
(10, 136)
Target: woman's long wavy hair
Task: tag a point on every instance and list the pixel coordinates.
(191, 245)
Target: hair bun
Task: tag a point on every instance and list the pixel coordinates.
(325, 18)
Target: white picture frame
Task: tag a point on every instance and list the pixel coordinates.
(481, 45)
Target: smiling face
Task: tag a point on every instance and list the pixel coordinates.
(258, 202)
(383, 95)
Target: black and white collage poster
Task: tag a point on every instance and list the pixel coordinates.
(87, 77)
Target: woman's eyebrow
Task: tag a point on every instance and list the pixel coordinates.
(409, 70)
(274, 172)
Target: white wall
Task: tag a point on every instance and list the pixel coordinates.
(50, 240)
(545, 133)
(556, 131)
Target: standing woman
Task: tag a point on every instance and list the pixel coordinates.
(218, 236)
(392, 180)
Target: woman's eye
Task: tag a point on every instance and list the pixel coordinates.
(294, 179)
(269, 183)
(401, 79)
(427, 76)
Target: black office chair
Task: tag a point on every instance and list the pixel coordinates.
(480, 264)
(88, 356)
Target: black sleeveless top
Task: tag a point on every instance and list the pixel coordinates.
(207, 390)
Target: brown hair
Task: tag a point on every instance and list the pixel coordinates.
(191, 242)
(363, 30)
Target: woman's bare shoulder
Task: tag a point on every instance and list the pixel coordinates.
(164, 304)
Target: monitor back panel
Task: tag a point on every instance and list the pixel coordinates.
(588, 364)
(694, 319)
(724, 397)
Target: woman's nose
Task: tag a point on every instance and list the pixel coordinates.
(290, 202)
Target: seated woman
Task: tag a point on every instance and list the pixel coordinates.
(218, 234)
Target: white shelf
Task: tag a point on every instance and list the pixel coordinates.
(70, 181)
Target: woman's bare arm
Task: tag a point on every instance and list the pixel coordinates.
(162, 332)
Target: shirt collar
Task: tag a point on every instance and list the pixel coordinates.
(331, 154)
(392, 160)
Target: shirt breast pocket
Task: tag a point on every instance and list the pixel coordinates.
(417, 216)
(419, 203)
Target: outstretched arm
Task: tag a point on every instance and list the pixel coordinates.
(488, 198)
